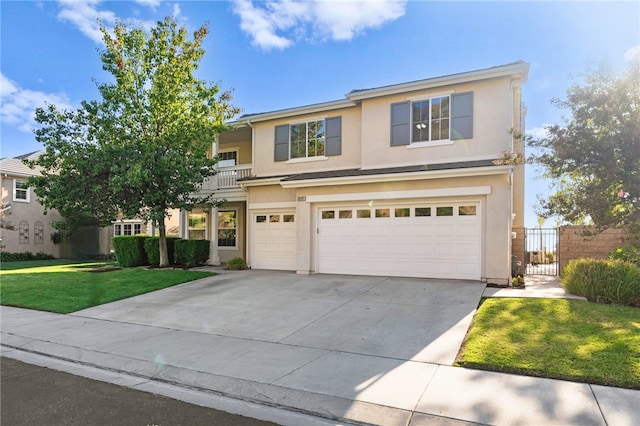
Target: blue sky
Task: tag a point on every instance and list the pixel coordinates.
(282, 54)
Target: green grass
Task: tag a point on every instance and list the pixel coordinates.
(556, 338)
(64, 287)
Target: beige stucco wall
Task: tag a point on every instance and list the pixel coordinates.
(491, 121)
(30, 212)
(351, 139)
(366, 132)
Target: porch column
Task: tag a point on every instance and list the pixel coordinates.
(214, 257)
(184, 224)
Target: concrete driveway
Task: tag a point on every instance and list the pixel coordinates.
(364, 349)
(397, 318)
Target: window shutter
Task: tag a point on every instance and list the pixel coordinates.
(281, 145)
(400, 128)
(462, 115)
(333, 139)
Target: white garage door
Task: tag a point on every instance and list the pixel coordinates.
(274, 241)
(429, 241)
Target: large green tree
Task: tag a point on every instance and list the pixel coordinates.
(593, 159)
(142, 149)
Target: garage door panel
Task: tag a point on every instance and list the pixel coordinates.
(416, 246)
(274, 241)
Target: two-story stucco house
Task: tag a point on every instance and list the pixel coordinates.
(25, 227)
(399, 180)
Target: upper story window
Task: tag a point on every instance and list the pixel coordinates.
(307, 139)
(20, 191)
(439, 119)
(312, 139)
(227, 158)
(430, 120)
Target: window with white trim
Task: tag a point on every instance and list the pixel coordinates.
(307, 139)
(227, 228)
(227, 158)
(430, 120)
(20, 191)
(127, 229)
(197, 229)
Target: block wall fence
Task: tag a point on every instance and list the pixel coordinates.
(574, 245)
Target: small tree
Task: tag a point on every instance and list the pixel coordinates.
(142, 149)
(594, 159)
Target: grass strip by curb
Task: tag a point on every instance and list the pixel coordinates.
(556, 338)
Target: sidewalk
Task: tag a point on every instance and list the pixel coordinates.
(182, 365)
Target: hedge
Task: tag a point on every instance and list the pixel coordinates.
(129, 250)
(23, 256)
(191, 252)
(604, 281)
(152, 249)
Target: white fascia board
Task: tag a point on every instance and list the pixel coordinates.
(394, 177)
(261, 182)
(289, 112)
(392, 195)
(518, 71)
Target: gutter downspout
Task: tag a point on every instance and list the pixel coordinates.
(248, 244)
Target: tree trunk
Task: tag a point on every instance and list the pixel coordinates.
(164, 253)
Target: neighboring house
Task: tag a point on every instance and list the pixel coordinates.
(24, 224)
(399, 180)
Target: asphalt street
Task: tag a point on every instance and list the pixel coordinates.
(31, 395)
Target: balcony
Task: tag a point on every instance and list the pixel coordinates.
(226, 178)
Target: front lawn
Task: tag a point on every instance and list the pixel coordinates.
(556, 338)
(64, 287)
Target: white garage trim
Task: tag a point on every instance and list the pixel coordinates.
(390, 195)
(272, 206)
(427, 240)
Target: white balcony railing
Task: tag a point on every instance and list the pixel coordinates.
(226, 177)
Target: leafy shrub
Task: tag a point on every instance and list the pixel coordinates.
(152, 249)
(628, 254)
(23, 256)
(191, 252)
(236, 264)
(604, 281)
(129, 250)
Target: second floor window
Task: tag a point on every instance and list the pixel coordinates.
(307, 139)
(430, 120)
(20, 190)
(228, 159)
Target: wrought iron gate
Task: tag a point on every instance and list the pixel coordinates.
(541, 251)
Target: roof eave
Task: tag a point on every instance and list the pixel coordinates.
(518, 71)
(394, 177)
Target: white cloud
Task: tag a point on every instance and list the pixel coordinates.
(85, 15)
(151, 3)
(278, 24)
(537, 132)
(19, 104)
(176, 10)
(632, 54)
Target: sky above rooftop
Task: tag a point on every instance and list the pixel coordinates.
(282, 54)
